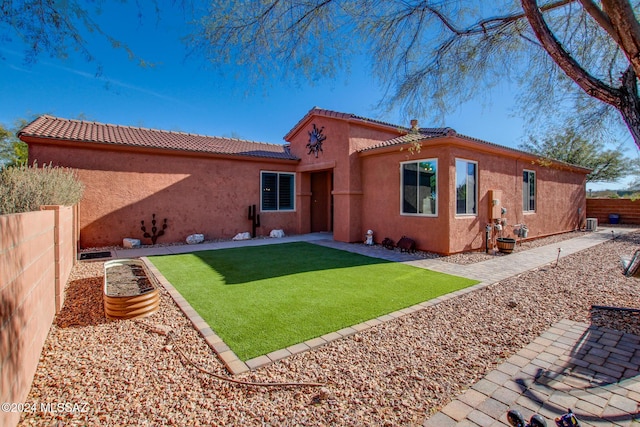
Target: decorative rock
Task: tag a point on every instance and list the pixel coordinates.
(278, 234)
(242, 236)
(130, 243)
(195, 238)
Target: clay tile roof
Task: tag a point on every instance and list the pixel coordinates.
(427, 133)
(420, 135)
(343, 116)
(55, 128)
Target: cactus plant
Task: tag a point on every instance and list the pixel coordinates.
(155, 231)
(255, 220)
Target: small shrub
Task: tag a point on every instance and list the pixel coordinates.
(26, 188)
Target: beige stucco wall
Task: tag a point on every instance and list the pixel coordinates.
(382, 208)
(336, 157)
(366, 188)
(37, 253)
(196, 194)
(560, 197)
(211, 194)
(339, 155)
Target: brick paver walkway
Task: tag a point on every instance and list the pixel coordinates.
(592, 370)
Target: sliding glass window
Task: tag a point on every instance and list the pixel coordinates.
(419, 192)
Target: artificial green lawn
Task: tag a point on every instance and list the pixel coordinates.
(264, 298)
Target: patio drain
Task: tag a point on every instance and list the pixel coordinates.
(129, 290)
(95, 255)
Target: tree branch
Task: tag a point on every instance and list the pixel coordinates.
(493, 23)
(307, 14)
(600, 17)
(565, 61)
(627, 28)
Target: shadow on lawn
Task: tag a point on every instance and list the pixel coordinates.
(247, 264)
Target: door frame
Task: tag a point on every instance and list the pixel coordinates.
(322, 178)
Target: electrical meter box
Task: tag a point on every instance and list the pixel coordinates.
(495, 204)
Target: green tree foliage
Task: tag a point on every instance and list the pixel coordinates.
(55, 28)
(635, 172)
(578, 57)
(13, 152)
(569, 146)
(26, 188)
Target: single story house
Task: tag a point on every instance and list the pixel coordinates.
(338, 172)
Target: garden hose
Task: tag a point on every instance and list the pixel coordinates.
(186, 358)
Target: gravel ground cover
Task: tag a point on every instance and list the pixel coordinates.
(479, 256)
(395, 374)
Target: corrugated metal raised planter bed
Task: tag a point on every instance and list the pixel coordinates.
(130, 291)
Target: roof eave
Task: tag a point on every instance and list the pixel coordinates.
(476, 143)
(514, 152)
(94, 145)
(350, 118)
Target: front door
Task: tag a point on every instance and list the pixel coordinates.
(321, 209)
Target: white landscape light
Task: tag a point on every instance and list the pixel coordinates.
(558, 258)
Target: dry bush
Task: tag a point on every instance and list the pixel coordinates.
(26, 188)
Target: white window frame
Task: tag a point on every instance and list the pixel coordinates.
(277, 190)
(526, 191)
(434, 206)
(475, 188)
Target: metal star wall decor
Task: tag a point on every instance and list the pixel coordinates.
(315, 140)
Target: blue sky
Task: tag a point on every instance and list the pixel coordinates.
(183, 93)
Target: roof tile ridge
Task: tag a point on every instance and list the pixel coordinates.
(446, 130)
(244, 140)
(120, 126)
(146, 129)
(338, 114)
(329, 113)
(63, 119)
(381, 122)
(413, 136)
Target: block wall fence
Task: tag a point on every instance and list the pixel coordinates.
(37, 253)
(629, 210)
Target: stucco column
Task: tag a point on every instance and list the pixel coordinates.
(347, 221)
(303, 203)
